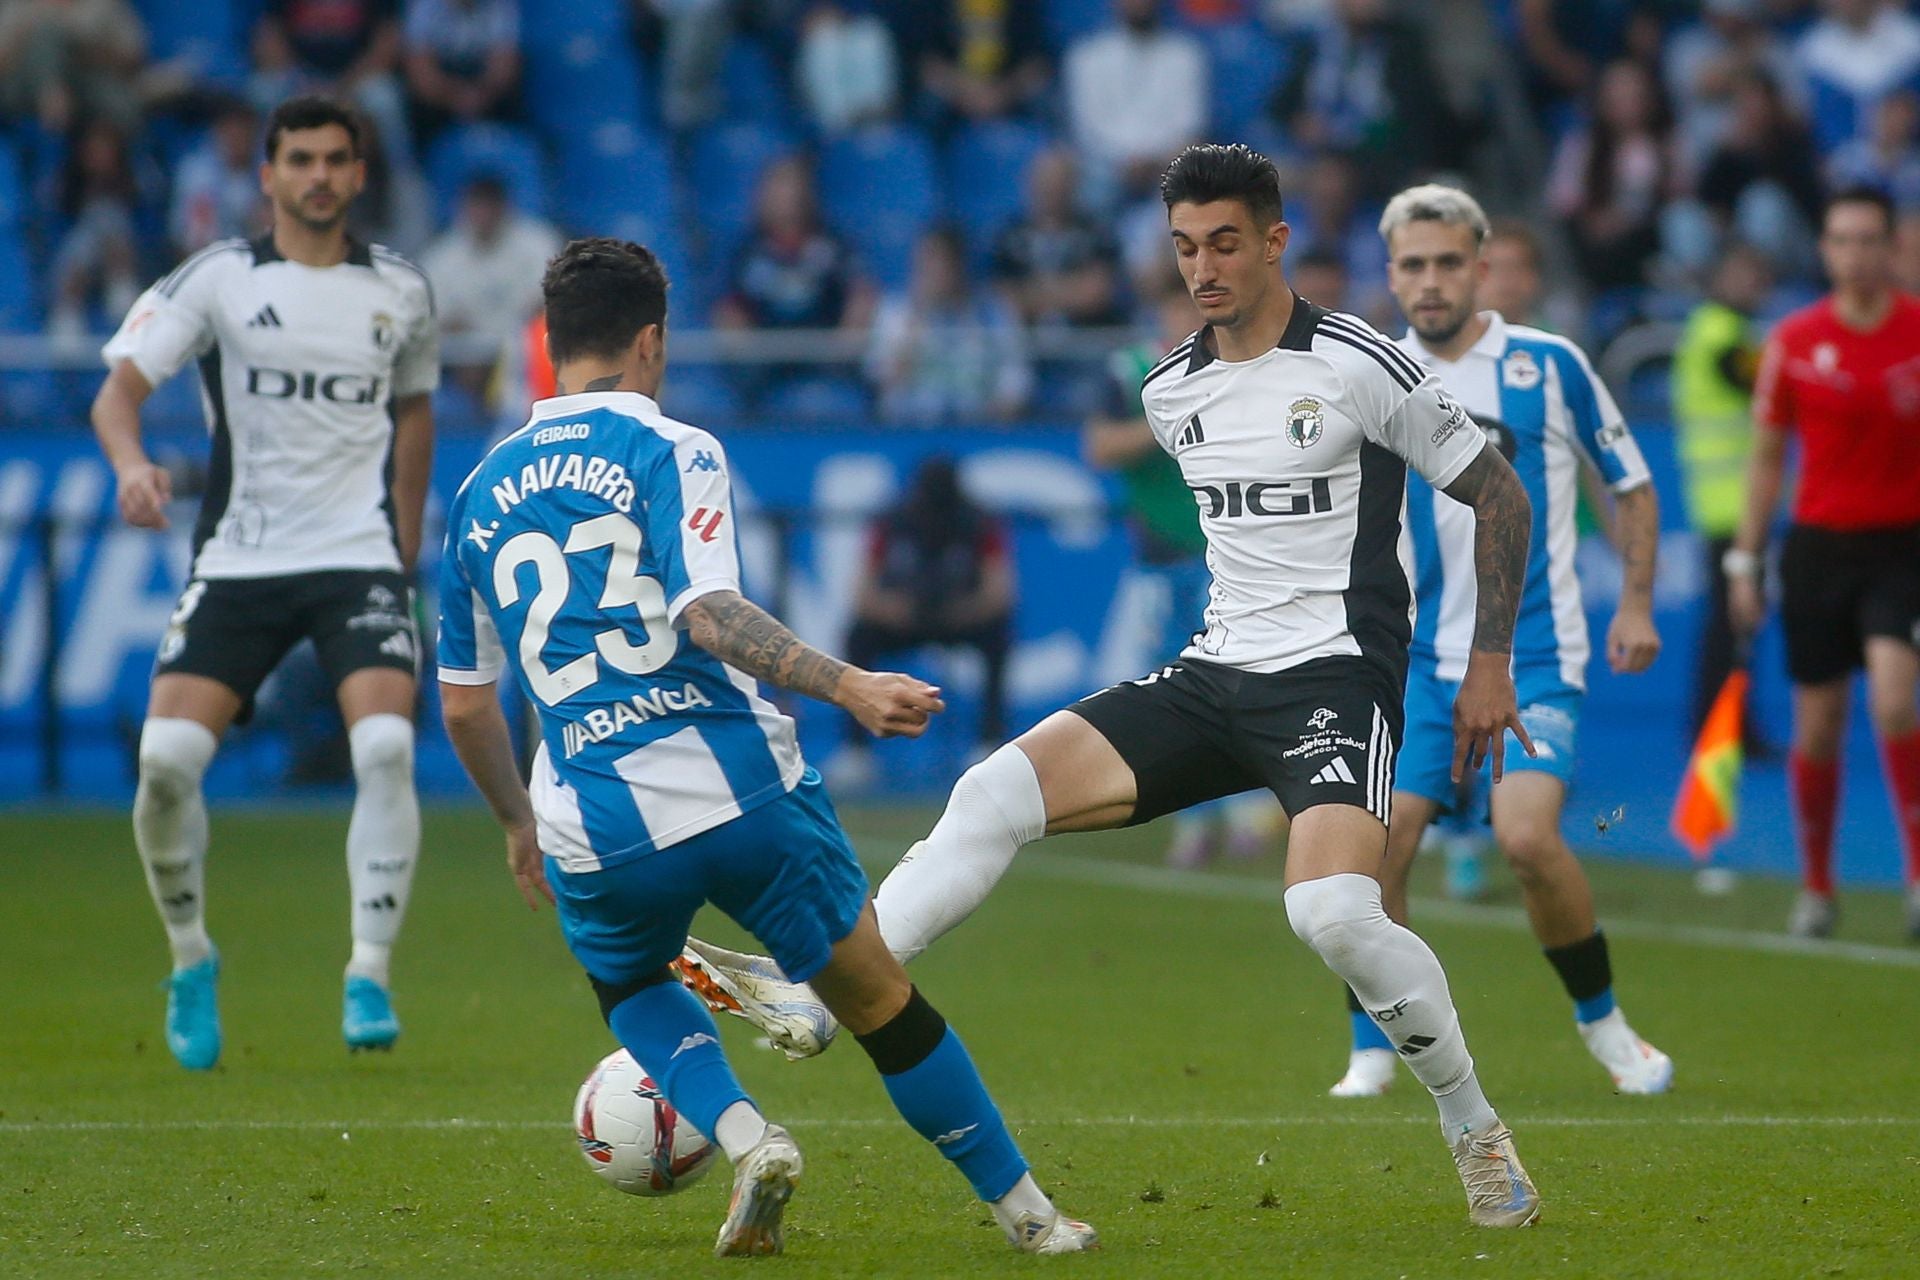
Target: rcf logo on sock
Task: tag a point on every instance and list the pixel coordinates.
(1388, 1015)
(705, 521)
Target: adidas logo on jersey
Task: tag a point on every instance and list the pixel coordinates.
(265, 318)
(1335, 770)
(1192, 433)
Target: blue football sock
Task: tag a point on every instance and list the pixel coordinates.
(672, 1036)
(945, 1101)
(1594, 1008)
(1367, 1033)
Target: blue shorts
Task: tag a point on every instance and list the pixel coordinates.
(1549, 708)
(783, 871)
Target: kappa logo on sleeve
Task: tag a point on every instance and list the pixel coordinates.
(703, 460)
(706, 522)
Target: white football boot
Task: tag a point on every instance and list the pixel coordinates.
(1635, 1065)
(1814, 915)
(754, 988)
(1369, 1074)
(1052, 1233)
(763, 1181)
(1499, 1192)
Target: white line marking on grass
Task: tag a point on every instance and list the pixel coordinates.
(457, 1123)
(1196, 884)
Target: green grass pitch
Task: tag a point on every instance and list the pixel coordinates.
(1161, 1042)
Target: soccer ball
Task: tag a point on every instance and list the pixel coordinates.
(631, 1136)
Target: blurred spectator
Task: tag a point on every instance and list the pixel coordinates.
(792, 273)
(1712, 385)
(1857, 52)
(396, 208)
(1136, 93)
(98, 256)
(1365, 86)
(977, 59)
(689, 39)
(1906, 252)
(1888, 157)
(1320, 277)
(1057, 265)
(939, 571)
(1611, 176)
(216, 191)
(1565, 45)
(1514, 282)
(462, 62)
(944, 351)
(61, 60)
(846, 71)
(486, 271)
(1760, 184)
(1703, 63)
(346, 47)
(1328, 219)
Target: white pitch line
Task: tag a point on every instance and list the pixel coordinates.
(1081, 869)
(456, 1123)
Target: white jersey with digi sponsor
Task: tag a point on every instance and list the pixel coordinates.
(1298, 461)
(571, 551)
(299, 367)
(1541, 403)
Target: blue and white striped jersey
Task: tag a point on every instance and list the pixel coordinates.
(571, 551)
(1539, 400)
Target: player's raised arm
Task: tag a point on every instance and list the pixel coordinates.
(1503, 518)
(743, 635)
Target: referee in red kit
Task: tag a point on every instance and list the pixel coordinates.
(1843, 375)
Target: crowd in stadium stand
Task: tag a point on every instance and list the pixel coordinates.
(939, 179)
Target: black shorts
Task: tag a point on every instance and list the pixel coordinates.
(1839, 588)
(236, 630)
(1324, 732)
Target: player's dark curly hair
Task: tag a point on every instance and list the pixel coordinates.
(600, 293)
(1208, 171)
(311, 111)
(1861, 193)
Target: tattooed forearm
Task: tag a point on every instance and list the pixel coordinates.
(1502, 526)
(1637, 526)
(742, 634)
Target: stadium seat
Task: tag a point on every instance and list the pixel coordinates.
(986, 174)
(1247, 64)
(1067, 20)
(725, 168)
(551, 23)
(209, 37)
(509, 152)
(575, 84)
(880, 188)
(752, 85)
(13, 192)
(617, 169)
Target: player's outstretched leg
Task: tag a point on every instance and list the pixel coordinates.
(995, 808)
(671, 1035)
(1372, 1063)
(755, 988)
(937, 1090)
(383, 845)
(1400, 982)
(1559, 902)
(170, 831)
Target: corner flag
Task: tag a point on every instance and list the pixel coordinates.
(1708, 803)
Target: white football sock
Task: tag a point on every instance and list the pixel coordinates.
(739, 1128)
(1026, 1197)
(995, 808)
(170, 830)
(1393, 971)
(383, 838)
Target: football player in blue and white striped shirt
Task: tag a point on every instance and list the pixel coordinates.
(594, 552)
(1537, 398)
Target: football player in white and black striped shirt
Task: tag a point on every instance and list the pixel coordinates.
(1293, 427)
(317, 358)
